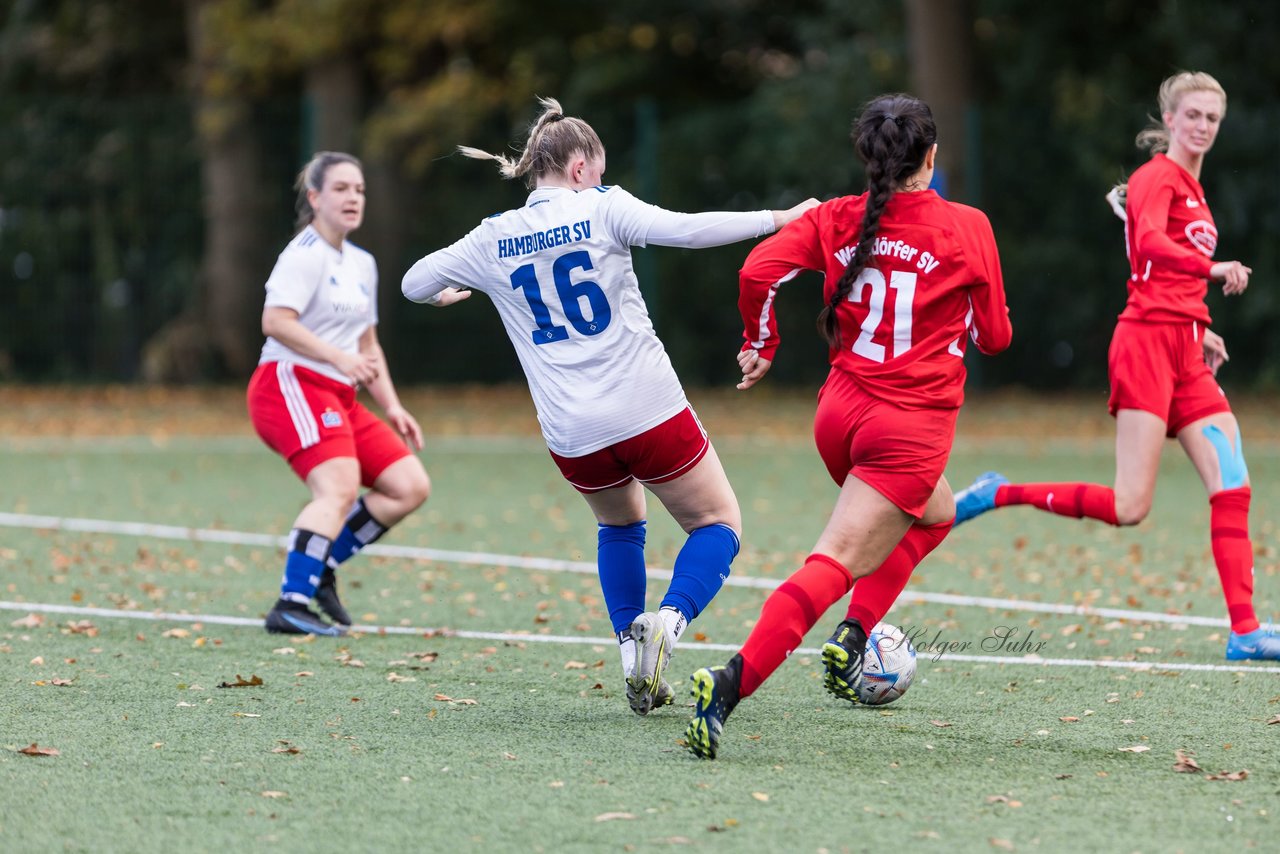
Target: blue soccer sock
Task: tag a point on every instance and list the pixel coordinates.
(360, 530)
(701, 568)
(620, 559)
(303, 565)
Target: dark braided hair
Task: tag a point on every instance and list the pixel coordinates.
(892, 136)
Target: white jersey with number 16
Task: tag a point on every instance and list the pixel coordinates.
(559, 271)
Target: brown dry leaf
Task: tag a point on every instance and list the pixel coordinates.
(940, 723)
(31, 621)
(506, 755)
(1235, 776)
(1062, 776)
(576, 665)
(997, 799)
(36, 750)
(244, 715)
(396, 677)
(444, 698)
(699, 636)
(614, 816)
(38, 661)
(1185, 762)
(176, 633)
(426, 657)
(1274, 719)
(1001, 843)
(1069, 720)
(271, 794)
(61, 683)
(304, 673)
(241, 682)
(760, 796)
(82, 627)
(346, 659)
(284, 650)
(1137, 748)
(286, 749)
(465, 701)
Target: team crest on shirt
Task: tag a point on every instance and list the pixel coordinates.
(333, 280)
(330, 418)
(1203, 236)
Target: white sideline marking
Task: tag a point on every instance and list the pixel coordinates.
(219, 619)
(176, 532)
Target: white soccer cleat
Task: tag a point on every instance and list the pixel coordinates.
(646, 689)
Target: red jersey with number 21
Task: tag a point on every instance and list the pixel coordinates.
(933, 279)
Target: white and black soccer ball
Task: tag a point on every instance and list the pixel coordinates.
(888, 666)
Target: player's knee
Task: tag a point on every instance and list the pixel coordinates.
(418, 490)
(1132, 510)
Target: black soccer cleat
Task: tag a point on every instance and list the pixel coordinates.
(842, 656)
(327, 600)
(715, 695)
(294, 618)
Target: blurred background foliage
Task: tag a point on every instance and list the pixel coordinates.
(149, 149)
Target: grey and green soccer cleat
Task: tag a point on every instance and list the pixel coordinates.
(715, 695)
(645, 687)
(842, 656)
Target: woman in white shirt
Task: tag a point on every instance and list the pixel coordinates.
(320, 319)
(612, 410)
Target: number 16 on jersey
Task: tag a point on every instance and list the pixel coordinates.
(571, 295)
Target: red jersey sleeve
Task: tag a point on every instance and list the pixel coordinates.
(991, 332)
(797, 247)
(1148, 206)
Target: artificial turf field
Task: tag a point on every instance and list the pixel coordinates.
(510, 730)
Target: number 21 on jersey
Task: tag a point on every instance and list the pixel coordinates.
(904, 285)
(571, 295)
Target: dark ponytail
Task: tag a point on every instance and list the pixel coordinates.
(892, 137)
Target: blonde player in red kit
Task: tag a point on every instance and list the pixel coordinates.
(321, 321)
(1164, 359)
(908, 277)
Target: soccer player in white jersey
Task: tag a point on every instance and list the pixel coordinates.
(612, 410)
(321, 320)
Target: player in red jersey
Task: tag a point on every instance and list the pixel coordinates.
(908, 276)
(1164, 358)
(321, 322)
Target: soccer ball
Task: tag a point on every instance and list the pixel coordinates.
(888, 666)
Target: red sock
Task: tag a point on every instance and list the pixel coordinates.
(1076, 500)
(788, 614)
(875, 594)
(1233, 553)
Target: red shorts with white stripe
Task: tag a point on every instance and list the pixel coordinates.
(657, 455)
(1160, 368)
(901, 453)
(308, 418)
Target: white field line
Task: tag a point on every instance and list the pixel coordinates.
(175, 532)
(509, 637)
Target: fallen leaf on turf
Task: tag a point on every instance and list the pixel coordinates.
(699, 636)
(556, 784)
(1001, 843)
(156, 745)
(576, 665)
(61, 683)
(177, 633)
(427, 657)
(1137, 748)
(285, 650)
(38, 661)
(1062, 776)
(347, 660)
(244, 715)
(241, 682)
(1234, 776)
(940, 723)
(271, 794)
(614, 816)
(36, 750)
(508, 755)
(289, 749)
(396, 677)
(1185, 762)
(304, 673)
(760, 796)
(31, 621)
(1069, 720)
(82, 627)
(1275, 719)
(465, 701)
(444, 698)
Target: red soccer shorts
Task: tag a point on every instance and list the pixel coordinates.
(1160, 368)
(657, 455)
(308, 418)
(901, 453)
